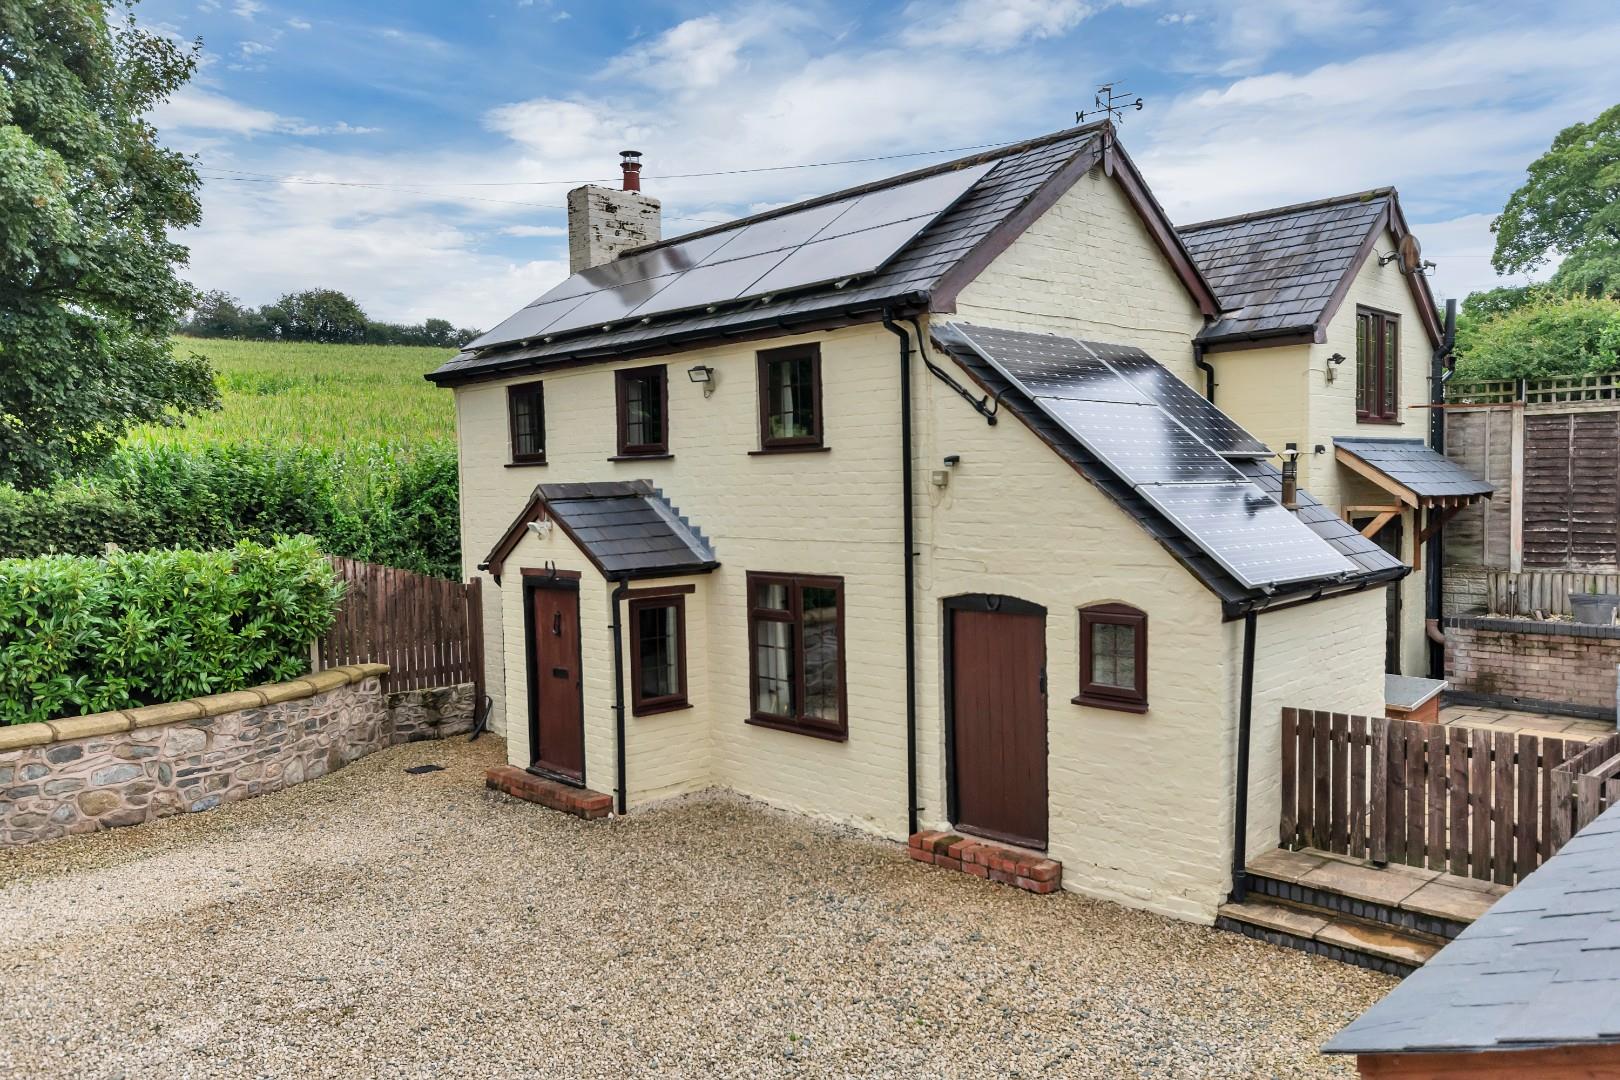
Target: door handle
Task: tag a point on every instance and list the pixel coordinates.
(559, 673)
(556, 623)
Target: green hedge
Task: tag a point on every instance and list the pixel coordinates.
(83, 635)
(373, 503)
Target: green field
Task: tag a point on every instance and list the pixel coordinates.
(316, 395)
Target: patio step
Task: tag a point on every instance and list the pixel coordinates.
(1343, 938)
(522, 784)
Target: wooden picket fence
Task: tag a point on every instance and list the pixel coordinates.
(1473, 802)
(428, 630)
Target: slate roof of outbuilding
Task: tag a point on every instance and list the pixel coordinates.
(1276, 271)
(1414, 465)
(1541, 968)
(1372, 563)
(1021, 171)
(626, 528)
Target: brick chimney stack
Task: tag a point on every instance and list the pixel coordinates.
(603, 221)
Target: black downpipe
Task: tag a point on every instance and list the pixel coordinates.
(1240, 812)
(1207, 368)
(622, 784)
(1435, 585)
(908, 542)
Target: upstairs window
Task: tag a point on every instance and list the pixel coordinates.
(526, 411)
(796, 654)
(643, 411)
(658, 672)
(790, 398)
(1378, 369)
(1113, 657)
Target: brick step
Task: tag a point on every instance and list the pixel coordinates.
(1028, 870)
(521, 784)
(1342, 938)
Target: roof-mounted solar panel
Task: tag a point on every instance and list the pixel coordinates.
(1253, 538)
(845, 238)
(1187, 405)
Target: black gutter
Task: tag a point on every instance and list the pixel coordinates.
(1207, 368)
(908, 543)
(1434, 598)
(622, 793)
(1240, 810)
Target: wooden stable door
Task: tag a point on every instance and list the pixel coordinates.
(556, 702)
(998, 725)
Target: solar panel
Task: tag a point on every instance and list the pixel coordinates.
(1129, 412)
(841, 239)
(1183, 402)
(1253, 538)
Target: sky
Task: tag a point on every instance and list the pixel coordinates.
(416, 154)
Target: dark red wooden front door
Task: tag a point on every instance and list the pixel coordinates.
(556, 720)
(998, 725)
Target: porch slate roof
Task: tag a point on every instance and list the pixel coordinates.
(626, 528)
(1415, 466)
(1541, 968)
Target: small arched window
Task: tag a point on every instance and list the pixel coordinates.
(1113, 657)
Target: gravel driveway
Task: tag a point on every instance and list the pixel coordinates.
(374, 923)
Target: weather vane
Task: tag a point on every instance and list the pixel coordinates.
(1109, 104)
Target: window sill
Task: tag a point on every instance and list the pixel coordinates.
(642, 457)
(663, 707)
(522, 464)
(1109, 703)
(797, 729)
(1380, 421)
(789, 450)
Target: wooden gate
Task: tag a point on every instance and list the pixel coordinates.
(1474, 802)
(428, 630)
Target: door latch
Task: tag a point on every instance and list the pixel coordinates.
(556, 624)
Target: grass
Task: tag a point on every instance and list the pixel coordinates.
(329, 396)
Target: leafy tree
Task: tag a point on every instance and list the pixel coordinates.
(323, 315)
(1572, 335)
(1570, 206)
(1498, 301)
(218, 314)
(89, 293)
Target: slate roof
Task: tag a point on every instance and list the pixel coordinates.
(1276, 271)
(1541, 968)
(1372, 563)
(1414, 465)
(1021, 170)
(626, 528)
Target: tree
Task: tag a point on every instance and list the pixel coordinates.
(324, 315)
(89, 293)
(1570, 205)
(218, 314)
(1570, 335)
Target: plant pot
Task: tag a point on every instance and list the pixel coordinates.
(1596, 609)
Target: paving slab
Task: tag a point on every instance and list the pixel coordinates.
(1446, 901)
(1383, 943)
(1285, 920)
(1285, 865)
(1364, 882)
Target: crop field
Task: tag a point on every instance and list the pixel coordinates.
(327, 396)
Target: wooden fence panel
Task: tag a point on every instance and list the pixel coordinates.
(428, 630)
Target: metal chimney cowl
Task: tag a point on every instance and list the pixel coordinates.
(604, 221)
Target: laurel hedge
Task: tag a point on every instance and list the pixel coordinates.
(82, 635)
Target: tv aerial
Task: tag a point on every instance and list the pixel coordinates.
(1111, 101)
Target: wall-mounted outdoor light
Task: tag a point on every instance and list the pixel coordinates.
(703, 375)
(541, 529)
(1333, 363)
(940, 477)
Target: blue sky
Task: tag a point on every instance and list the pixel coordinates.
(441, 138)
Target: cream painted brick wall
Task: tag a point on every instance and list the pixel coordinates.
(1327, 655)
(1266, 391)
(1089, 268)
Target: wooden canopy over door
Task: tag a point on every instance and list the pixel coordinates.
(556, 690)
(996, 718)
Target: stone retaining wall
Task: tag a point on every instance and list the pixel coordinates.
(1559, 667)
(85, 773)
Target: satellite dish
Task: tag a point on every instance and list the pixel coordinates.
(1411, 254)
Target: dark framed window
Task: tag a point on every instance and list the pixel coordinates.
(790, 398)
(658, 644)
(796, 654)
(1378, 365)
(526, 411)
(1113, 657)
(643, 411)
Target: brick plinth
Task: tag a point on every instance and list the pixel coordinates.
(581, 802)
(1026, 870)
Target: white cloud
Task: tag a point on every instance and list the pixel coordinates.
(535, 230)
(249, 49)
(247, 9)
(299, 24)
(994, 25)
(193, 110)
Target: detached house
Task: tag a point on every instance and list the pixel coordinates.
(904, 506)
